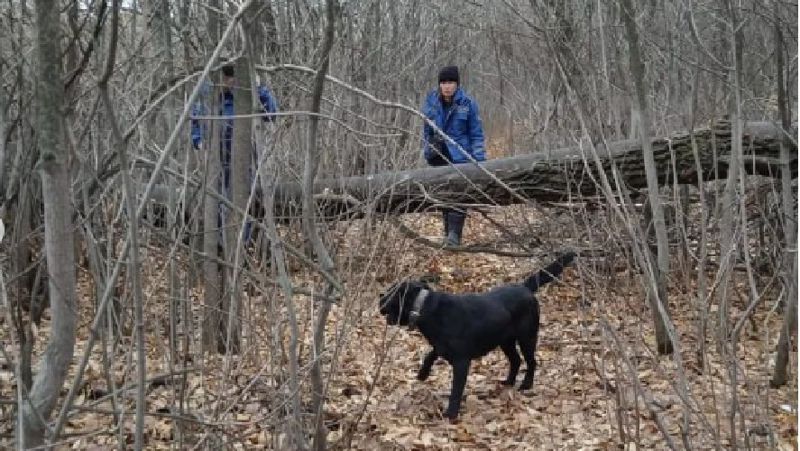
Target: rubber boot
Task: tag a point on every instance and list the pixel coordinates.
(445, 224)
(455, 225)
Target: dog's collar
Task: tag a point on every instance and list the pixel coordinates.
(419, 301)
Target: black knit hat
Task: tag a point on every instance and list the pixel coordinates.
(449, 73)
(227, 70)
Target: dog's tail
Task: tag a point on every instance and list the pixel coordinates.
(551, 272)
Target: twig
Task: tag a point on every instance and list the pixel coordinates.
(648, 398)
(298, 113)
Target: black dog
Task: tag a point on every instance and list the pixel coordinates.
(468, 326)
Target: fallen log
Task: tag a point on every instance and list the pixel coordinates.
(557, 175)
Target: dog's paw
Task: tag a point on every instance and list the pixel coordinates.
(507, 383)
(525, 386)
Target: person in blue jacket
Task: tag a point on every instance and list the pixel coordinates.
(226, 108)
(456, 114)
(199, 131)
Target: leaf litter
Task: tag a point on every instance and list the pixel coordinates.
(583, 395)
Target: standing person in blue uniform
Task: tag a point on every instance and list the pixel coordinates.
(456, 114)
(226, 109)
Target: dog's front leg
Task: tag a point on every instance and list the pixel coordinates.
(460, 370)
(427, 363)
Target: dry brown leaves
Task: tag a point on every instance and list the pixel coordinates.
(583, 397)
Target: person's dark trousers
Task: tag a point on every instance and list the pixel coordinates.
(436, 161)
(454, 224)
(453, 220)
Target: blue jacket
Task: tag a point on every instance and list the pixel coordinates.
(199, 109)
(461, 122)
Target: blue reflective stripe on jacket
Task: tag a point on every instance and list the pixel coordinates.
(461, 122)
(199, 130)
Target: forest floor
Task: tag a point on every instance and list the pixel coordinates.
(593, 344)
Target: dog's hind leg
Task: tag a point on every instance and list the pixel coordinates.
(427, 363)
(510, 350)
(528, 348)
(460, 370)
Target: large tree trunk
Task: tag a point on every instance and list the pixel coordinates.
(546, 176)
(59, 248)
(551, 176)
